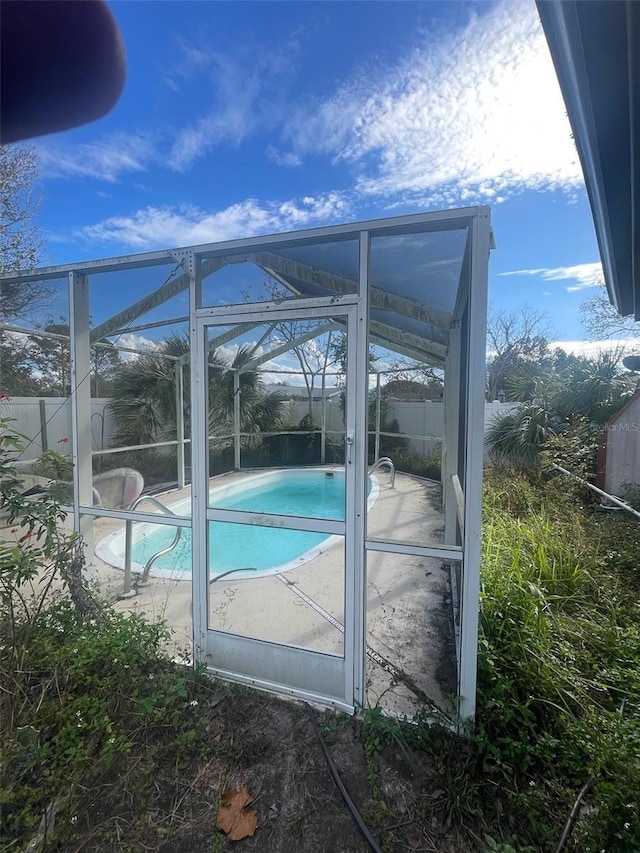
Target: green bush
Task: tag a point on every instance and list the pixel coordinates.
(295, 445)
(82, 686)
(414, 463)
(559, 663)
(93, 692)
(390, 444)
(56, 466)
(155, 466)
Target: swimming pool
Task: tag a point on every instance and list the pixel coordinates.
(314, 493)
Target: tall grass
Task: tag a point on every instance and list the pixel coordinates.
(559, 665)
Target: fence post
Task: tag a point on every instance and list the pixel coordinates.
(43, 425)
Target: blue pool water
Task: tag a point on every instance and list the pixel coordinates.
(306, 493)
(232, 546)
(292, 493)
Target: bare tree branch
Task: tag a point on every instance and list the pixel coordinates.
(515, 338)
(600, 320)
(20, 241)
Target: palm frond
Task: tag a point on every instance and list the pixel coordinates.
(518, 437)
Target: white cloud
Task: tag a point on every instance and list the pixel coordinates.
(187, 225)
(235, 105)
(192, 60)
(105, 160)
(471, 117)
(240, 101)
(582, 275)
(532, 271)
(227, 352)
(131, 340)
(230, 125)
(591, 349)
(271, 372)
(283, 158)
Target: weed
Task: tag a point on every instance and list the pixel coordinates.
(217, 843)
(79, 693)
(510, 846)
(559, 664)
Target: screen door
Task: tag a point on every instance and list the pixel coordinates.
(276, 566)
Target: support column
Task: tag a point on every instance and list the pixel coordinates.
(450, 437)
(199, 461)
(180, 447)
(236, 420)
(377, 450)
(81, 405)
(323, 434)
(357, 395)
(474, 457)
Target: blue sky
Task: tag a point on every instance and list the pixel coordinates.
(244, 118)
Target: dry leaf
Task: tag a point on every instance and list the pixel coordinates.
(234, 815)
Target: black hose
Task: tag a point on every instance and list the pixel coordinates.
(364, 829)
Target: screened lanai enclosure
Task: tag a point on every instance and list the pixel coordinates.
(277, 447)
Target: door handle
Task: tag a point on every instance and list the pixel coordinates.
(349, 442)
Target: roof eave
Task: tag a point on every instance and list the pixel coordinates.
(596, 73)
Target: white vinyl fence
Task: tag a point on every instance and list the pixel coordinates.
(423, 421)
(47, 422)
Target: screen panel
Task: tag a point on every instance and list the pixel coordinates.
(277, 584)
(411, 658)
(274, 272)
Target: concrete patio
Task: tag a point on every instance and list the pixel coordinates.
(410, 633)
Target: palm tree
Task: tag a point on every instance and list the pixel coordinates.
(587, 392)
(595, 389)
(259, 410)
(518, 437)
(144, 395)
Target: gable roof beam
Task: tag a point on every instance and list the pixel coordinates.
(261, 339)
(167, 291)
(414, 342)
(409, 352)
(230, 334)
(282, 268)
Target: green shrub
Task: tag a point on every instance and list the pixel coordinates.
(559, 663)
(56, 466)
(82, 686)
(156, 466)
(414, 463)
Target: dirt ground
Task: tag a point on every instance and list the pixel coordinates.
(272, 747)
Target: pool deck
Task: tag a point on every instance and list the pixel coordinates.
(411, 653)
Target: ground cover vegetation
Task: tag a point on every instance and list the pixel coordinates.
(108, 745)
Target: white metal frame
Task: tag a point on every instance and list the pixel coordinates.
(281, 668)
(79, 322)
(480, 244)
(464, 416)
